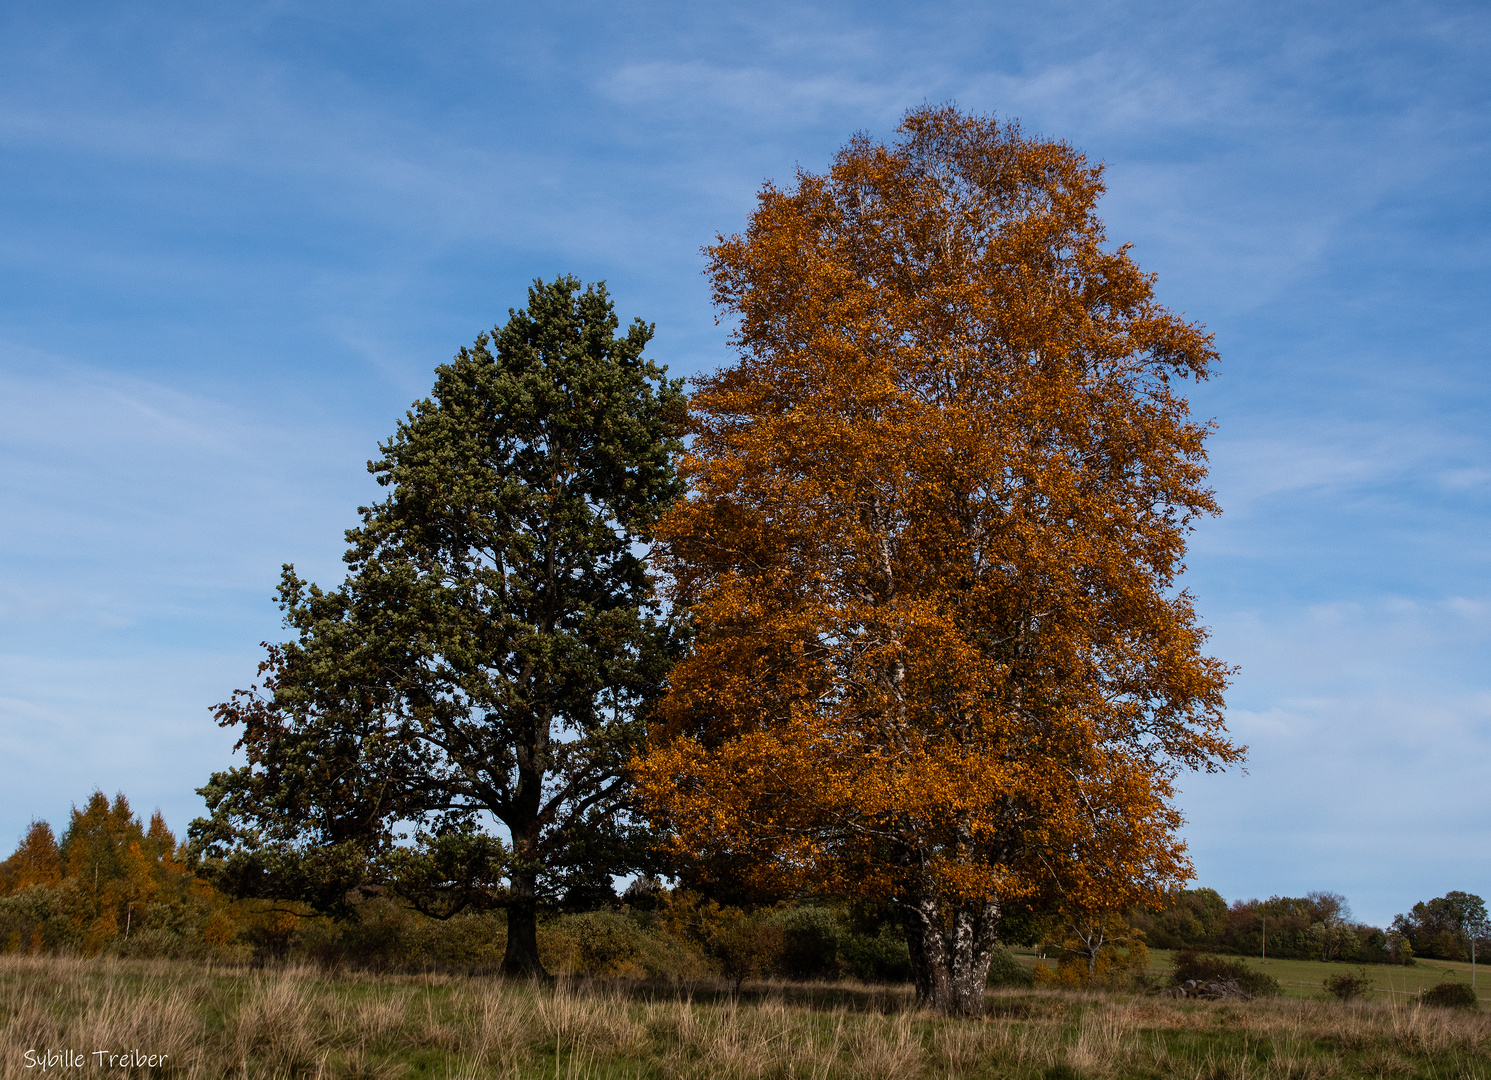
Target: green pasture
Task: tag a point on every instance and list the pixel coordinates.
(1303, 978)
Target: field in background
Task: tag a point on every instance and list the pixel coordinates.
(1303, 978)
(305, 1022)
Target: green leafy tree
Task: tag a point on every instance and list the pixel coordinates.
(1191, 919)
(491, 652)
(1442, 928)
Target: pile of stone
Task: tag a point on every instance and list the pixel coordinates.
(1211, 991)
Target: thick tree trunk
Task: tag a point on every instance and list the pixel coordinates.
(952, 946)
(521, 958)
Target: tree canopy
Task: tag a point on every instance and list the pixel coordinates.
(1443, 928)
(937, 509)
(489, 651)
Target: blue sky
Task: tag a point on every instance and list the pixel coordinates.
(236, 239)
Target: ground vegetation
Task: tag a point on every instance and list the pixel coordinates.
(279, 1021)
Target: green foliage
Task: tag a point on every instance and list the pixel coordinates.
(1028, 925)
(879, 957)
(746, 947)
(810, 943)
(41, 919)
(1194, 919)
(385, 936)
(1442, 928)
(1346, 986)
(1452, 995)
(1316, 926)
(492, 650)
(801, 943)
(1399, 948)
(1005, 970)
(1203, 968)
(822, 943)
(608, 943)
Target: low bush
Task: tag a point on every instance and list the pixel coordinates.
(606, 944)
(881, 957)
(1204, 968)
(810, 943)
(384, 936)
(1451, 995)
(1346, 986)
(747, 947)
(1005, 970)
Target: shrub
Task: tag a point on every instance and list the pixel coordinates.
(810, 943)
(1346, 986)
(746, 947)
(1451, 995)
(606, 943)
(159, 943)
(609, 944)
(881, 957)
(614, 944)
(37, 919)
(1203, 968)
(1005, 970)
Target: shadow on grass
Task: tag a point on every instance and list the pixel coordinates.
(881, 1000)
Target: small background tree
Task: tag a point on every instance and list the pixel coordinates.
(1101, 949)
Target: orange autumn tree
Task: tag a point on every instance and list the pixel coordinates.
(938, 506)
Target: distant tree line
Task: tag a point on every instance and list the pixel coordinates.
(117, 885)
(114, 885)
(1317, 926)
(1443, 928)
(112, 882)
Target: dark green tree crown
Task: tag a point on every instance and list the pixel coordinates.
(497, 640)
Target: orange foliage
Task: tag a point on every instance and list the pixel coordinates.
(35, 861)
(937, 510)
(1097, 948)
(110, 878)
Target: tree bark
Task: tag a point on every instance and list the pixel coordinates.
(521, 957)
(952, 946)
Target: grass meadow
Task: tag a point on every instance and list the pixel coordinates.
(308, 1022)
(1303, 978)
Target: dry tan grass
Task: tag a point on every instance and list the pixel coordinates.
(304, 1022)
